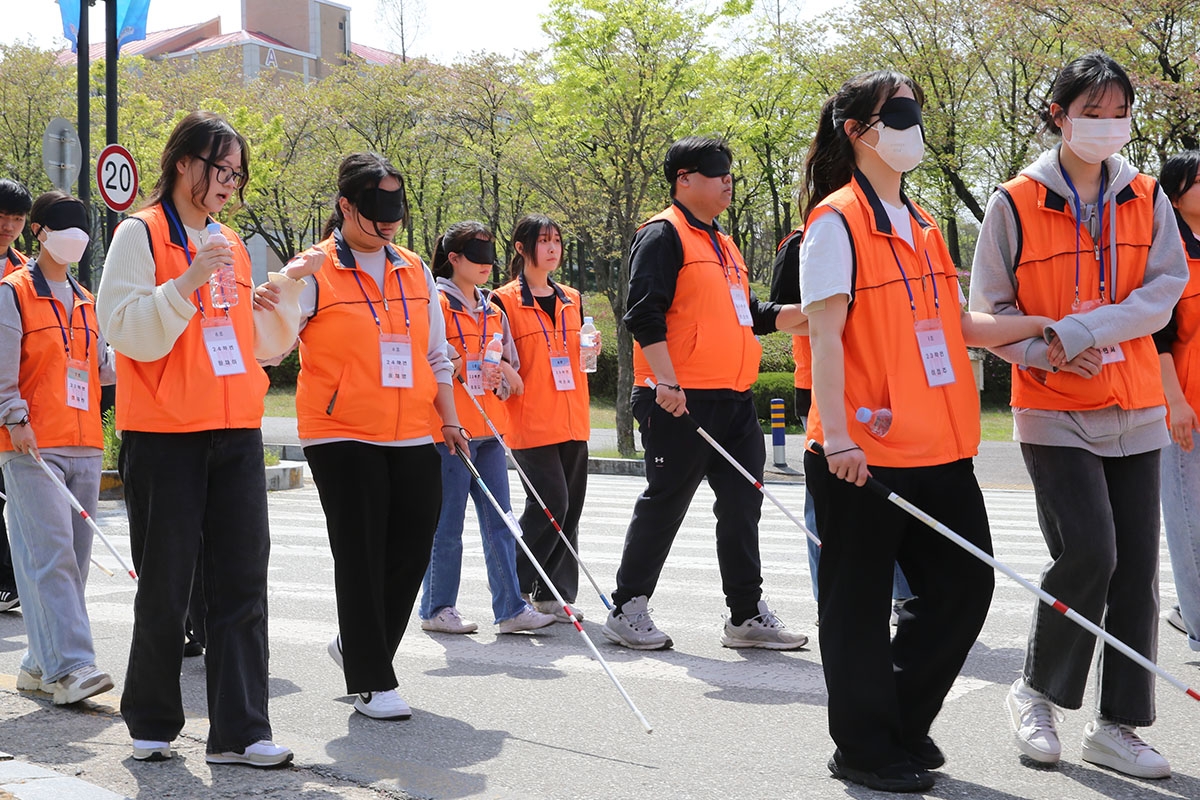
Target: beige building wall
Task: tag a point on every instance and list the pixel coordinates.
(285, 20)
(334, 36)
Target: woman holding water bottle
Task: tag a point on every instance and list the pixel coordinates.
(549, 422)
(190, 406)
(479, 334)
(901, 346)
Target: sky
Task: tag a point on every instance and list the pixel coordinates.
(503, 26)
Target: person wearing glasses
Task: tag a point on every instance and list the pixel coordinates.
(694, 317)
(189, 406)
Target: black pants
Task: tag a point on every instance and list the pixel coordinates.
(188, 496)
(8, 581)
(381, 509)
(677, 459)
(559, 473)
(884, 693)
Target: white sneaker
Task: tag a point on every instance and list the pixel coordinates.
(1033, 717)
(150, 750)
(263, 753)
(631, 626)
(554, 609)
(382, 705)
(1118, 747)
(1175, 620)
(528, 620)
(765, 631)
(335, 651)
(448, 621)
(78, 685)
(28, 681)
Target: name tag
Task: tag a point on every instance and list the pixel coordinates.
(475, 374)
(740, 305)
(1110, 354)
(222, 345)
(77, 384)
(560, 365)
(395, 355)
(935, 356)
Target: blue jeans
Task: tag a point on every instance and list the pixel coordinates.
(51, 550)
(900, 590)
(440, 587)
(1181, 515)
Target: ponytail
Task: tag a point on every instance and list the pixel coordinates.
(441, 267)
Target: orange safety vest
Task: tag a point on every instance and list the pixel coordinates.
(340, 392)
(883, 364)
(1044, 265)
(51, 334)
(180, 393)
(709, 349)
(468, 336)
(802, 355)
(1185, 350)
(543, 415)
(13, 261)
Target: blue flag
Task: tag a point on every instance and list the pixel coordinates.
(131, 21)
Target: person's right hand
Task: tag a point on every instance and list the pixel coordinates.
(1086, 365)
(846, 460)
(209, 258)
(515, 383)
(673, 401)
(23, 439)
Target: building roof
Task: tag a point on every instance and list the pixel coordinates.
(155, 43)
(373, 55)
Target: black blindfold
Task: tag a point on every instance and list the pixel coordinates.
(379, 205)
(478, 251)
(899, 113)
(65, 214)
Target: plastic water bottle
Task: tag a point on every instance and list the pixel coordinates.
(491, 357)
(222, 284)
(589, 354)
(878, 421)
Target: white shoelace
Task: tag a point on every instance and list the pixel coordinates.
(1127, 736)
(1040, 714)
(640, 621)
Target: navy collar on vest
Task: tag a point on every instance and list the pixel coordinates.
(41, 286)
(346, 256)
(13, 258)
(1190, 243)
(694, 221)
(527, 293)
(458, 306)
(173, 231)
(883, 223)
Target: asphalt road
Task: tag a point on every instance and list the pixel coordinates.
(534, 717)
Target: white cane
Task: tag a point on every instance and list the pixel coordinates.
(75, 504)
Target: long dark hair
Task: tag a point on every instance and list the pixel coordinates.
(1089, 75)
(203, 135)
(528, 230)
(454, 240)
(358, 173)
(830, 162)
(1179, 173)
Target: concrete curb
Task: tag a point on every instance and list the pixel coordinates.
(280, 477)
(25, 781)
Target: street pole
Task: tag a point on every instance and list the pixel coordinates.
(83, 63)
(111, 53)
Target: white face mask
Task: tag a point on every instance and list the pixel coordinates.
(66, 246)
(1094, 140)
(900, 148)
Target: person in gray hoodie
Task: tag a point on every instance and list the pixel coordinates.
(1082, 237)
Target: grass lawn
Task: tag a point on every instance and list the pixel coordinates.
(281, 402)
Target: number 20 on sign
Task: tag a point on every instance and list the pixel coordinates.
(116, 177)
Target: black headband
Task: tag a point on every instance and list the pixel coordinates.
(380, 205)
(711, 164)
(479, 251)
(900, 113)
(68, 213)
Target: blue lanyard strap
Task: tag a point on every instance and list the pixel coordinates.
(87, 332)
(1079, 225)
(383, 291)
(720, 251)
(462, 337)
(538, 312)
(173, 218)
(912, 302)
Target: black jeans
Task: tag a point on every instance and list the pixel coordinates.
(1100, 519)
(188, 496)
(381, 509)
(559, 473)
(884, 692)
(8, 581)
(677, 459)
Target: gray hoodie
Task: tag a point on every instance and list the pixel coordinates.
(1111, 431)
(477, 304)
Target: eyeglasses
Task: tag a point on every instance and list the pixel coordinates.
(227, 174)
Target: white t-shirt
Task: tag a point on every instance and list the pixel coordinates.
(827, 260)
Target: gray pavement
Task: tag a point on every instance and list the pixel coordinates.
(534, 717)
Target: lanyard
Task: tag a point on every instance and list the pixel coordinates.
(87, 332)
(1099, 229)
(482, 337)
(383, 291)
(537, 310)
(720, 251)
(912, 302)
(183, 237)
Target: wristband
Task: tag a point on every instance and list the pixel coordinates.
(23, 421)
(675, 387)
(839, 452)
(460, 429)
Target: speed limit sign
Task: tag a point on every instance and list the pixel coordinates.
(116, 177)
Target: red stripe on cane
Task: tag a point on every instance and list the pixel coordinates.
(84, 514)
(1060, 607)
(1193, 694)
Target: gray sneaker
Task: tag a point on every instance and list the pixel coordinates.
(78, 684)
(633, 628)
(765, 631)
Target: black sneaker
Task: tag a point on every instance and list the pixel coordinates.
(192, 648)
(9, 600)
(902, 777)
(926, 754)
